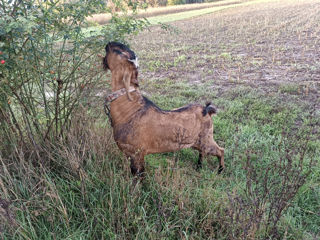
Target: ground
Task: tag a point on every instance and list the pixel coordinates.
(260, 64)
(271, 47)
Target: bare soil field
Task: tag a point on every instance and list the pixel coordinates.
(270, 47)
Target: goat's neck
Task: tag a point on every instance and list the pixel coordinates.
(123, 110)
(116, 81)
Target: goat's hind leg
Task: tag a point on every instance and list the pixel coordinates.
(219, 152)
(221, 160)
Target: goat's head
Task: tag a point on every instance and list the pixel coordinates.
(122, 62)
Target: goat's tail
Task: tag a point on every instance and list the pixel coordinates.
(209, 109)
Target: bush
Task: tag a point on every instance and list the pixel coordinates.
(49, 66)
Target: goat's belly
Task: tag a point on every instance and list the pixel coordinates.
(150, 142)
(162, 148)
(168, 132)
(162, 140)
(157, 133)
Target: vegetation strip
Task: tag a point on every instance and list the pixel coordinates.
(193, 13)
(103, 18)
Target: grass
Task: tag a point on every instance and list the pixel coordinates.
(175, 201)
(269, 128)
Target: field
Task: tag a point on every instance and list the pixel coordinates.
(164, 11)
(260, 65)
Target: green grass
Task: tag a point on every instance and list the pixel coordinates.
(249, 122)
(289, 88)
(174, 201)
(194, 13)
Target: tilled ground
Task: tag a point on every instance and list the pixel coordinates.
(270, 47)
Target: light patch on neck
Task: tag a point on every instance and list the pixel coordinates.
(135, 62)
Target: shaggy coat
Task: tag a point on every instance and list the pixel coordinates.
(141, 128)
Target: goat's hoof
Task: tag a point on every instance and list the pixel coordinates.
(220, 169)
(199, 167)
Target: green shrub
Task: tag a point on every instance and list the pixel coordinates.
(49, 64)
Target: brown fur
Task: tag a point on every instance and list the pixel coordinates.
(141, 128)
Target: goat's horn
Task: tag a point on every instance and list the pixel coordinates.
(134, 61)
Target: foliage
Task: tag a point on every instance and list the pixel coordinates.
(50, 65)
(49, 68)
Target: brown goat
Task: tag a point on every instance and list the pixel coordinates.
(141, 128)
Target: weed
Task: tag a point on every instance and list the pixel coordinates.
(289, 88)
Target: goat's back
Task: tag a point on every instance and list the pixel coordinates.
(155, 130)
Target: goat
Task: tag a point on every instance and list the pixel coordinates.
(140, 127)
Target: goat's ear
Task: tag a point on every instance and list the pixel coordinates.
(135, 62)
(126, 81)
(134, 78)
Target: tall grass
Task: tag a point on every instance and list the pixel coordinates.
(83, 187)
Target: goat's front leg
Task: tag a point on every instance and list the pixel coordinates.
(199, 164)
(137, 165)
(137, 170)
